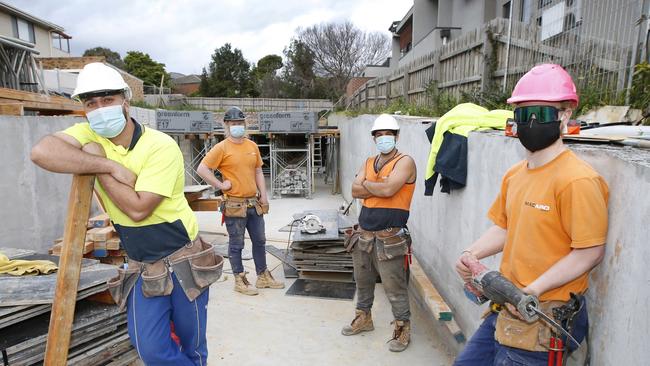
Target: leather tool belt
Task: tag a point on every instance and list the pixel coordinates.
(389, 243)
(513, 332)
(196, 266)
(237, 207)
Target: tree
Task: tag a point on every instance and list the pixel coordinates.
(298, 70)
(141, 65)
(228, 75)
(268, 64)
(341, 50)
(268, 84)
(111, 56)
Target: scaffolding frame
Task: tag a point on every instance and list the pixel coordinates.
(279, 153)
(280, 165)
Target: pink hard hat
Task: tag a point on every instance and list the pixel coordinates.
(545, 83)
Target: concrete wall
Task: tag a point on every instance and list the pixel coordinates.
(425, 18)
(34, 201)
(443, 225)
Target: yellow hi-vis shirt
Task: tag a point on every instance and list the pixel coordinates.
(158, 164)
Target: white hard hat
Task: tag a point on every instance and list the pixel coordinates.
(385, 122)
(97, 77)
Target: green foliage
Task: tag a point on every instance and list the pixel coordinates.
(228, 75)
(141, 65)
(494, 99)
(593, 95)
(298, 71)
(267, 83)
(267, 65)
(640, 91)
(111, 56)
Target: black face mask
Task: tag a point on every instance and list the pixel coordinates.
(536, 136)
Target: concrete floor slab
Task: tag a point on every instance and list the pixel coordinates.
(275, 329)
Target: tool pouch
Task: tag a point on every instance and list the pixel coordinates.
(197, 268)
(261, 208)
(535, 336)
(351, 238)
(156, 280)
(234, 208)
(392, 243)
(120, 286)
(366, 241)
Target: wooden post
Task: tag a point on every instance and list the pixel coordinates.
(486, 74)
(407, 83)
(387, 81)
(67, 281)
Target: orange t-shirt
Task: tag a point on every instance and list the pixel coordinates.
(546, 212)
(237, 163)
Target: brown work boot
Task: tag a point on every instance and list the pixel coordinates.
(362, 323)
(401, 336)
(243, 286)
(266, 280)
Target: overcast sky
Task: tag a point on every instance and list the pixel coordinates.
(183, 34)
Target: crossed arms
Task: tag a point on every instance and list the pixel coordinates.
(61, 153)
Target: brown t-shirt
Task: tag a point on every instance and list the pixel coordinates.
(237, 163)
(548, 211)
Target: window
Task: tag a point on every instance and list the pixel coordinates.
(525, 14)
(569, 22)
(543, 3)
(60, 42)
(506, 10)
(23, 30)
(539, 21)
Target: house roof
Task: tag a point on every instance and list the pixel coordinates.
(175, 75)
(4, 7)
(397, 25)
(189, 79)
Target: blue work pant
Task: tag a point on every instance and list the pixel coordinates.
(236, 227)
(483, 350)
(150, 332)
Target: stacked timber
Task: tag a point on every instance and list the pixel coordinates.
(99, 334)
(101, 242)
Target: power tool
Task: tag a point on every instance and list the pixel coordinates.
(491, 285)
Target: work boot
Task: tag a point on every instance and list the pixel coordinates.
(243, 286)
(401, 336)
(362, 323)
(266, 280)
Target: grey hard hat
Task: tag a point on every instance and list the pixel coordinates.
(234, 114)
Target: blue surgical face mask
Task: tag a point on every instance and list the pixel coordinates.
(385, 144)
(237, 131)
(107, 121)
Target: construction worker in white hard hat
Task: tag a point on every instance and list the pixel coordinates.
(140, 179)
(386, 183)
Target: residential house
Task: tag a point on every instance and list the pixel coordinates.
(61, 74)
(48, 39)
(430, 24)
(185, 84)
